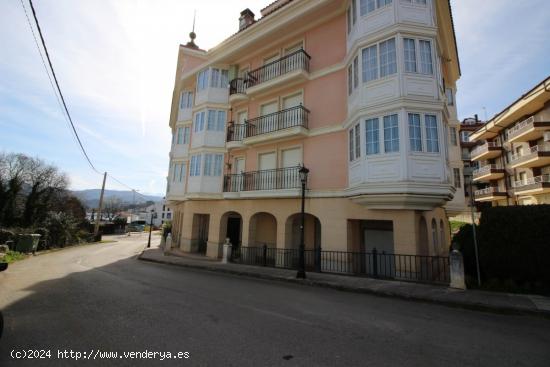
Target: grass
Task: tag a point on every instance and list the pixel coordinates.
(456, 225)
(12, 256)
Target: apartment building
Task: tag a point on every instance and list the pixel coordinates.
(360, 92)
(513, 152)
(467, 127)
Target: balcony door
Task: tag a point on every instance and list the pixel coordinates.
(271, 68)
(292, 62)
(292, 115)
(238, 177)
(239, 128)
(290, 159)
(269, 120)
(266, 178)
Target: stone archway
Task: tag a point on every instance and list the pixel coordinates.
(231, 226)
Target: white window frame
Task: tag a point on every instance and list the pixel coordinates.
(415, 132)
(390, 68)
(391, 138)
(372, 147)
(432, 141)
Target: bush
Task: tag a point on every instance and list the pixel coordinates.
(514, 248)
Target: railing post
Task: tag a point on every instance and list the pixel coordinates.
(375, 262)
(265, 254)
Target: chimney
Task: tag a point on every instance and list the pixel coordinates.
(246, 19)
(477, 119)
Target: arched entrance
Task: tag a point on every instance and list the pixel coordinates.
(231, 226)
(262, 230)
(312, 238)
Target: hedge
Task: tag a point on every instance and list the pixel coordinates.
(514, 248)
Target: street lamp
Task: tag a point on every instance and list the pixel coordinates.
(301, 260)
(153, 215)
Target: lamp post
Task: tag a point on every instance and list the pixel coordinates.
(153, 215)
(301, 260)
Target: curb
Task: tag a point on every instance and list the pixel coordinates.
(377, 292)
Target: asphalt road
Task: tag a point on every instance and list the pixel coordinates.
(100, 298)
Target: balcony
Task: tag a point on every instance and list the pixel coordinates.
(287, 70)
(537, 156)
(237, 90)
(533, 186)
(528, 130)
(488, 173)
(288, 123)
(488, 150)
(264, 180)
(490, 194)
(235, 135)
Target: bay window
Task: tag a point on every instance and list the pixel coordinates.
(379, 60)
(218, 78)
(391, 134)
(354, 143)
(213, 164)
(425, 48)
(199, 121)
(432, 139)
(186, 100)
(368, 6)
(216, 120)
(372, 136)
(195, 168)
(420, 62)
(415, 135)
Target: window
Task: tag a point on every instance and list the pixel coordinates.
(186, 100)
(368, 6)
(218, 159)
(174, 172)
(356, 72)
(350, 79)
(370, 63)
(410, 55)
(449, 95)
(195, 169)
(432, 140)
(453, 136)
(215, 78)
(221, 121)
(180, 136)
(415, 135)
(372, 136)
(388, 63)
(391, 134)
(354, 143)
(199, 121)
(224, 80)
(182, 172)
(207, 165)
(211, 124)
(357, 140)
(425, 57)
(456, 176)
(186, 134)
(202, 80)
(465, 136)
(213, 164)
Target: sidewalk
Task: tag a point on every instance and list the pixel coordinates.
(471, 299)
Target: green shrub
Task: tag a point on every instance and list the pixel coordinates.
(514, 248)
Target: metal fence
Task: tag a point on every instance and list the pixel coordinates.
(418, 268)
(270, 179)
(297, 60)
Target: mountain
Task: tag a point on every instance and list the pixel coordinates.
(90, 198)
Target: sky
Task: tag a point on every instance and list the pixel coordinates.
(115, 62)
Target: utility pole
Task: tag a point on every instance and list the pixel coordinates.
(96, 229)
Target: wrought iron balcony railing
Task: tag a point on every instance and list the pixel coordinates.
(297, 60)
(271, 179)
(484, 148)
(285, 119)
(237, 86)
(542, 179)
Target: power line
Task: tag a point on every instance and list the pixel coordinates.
(59, 89)
(46, 70)
(62, 103)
